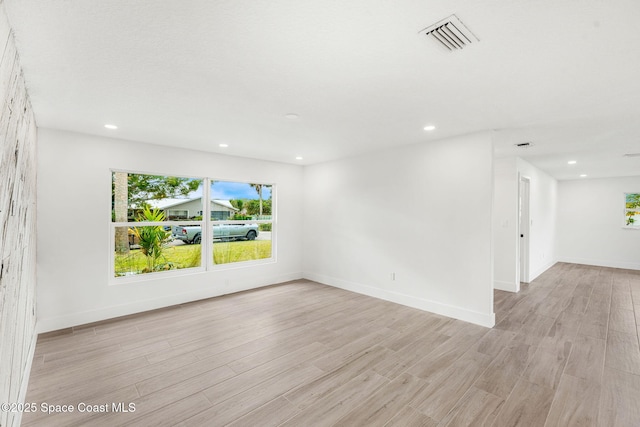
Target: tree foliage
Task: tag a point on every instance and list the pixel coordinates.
(261, 207)
(258, 188)
(152, 239)
(633, 202)
(148, 187)
(253, 207)
(238, 204)
(130, 190)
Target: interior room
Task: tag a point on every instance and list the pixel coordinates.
(420, 213)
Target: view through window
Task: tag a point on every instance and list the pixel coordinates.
(632, 210)
(158, 223)
(241, 215)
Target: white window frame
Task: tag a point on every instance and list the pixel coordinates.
(272, 221)
(116, 280)
(206, 253)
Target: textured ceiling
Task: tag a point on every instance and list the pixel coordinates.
(561, 74)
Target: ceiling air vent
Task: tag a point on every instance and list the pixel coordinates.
(450, 33)
(523, 144)
(632, 155)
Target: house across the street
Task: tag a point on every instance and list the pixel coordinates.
(189, 208)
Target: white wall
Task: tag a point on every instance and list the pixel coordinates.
(591, 220)
(74, 211)
(505, 225)
(421, 212)
(543, 214)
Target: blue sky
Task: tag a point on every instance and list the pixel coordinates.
(226, 190)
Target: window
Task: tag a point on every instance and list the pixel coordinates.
(220, 215)
(177, 214)
(241, 221)
(152, 232)
(632, 210)
(149, 246)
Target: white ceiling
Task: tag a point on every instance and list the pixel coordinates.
(562, 74)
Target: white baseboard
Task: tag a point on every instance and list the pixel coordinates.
(24, 381)
(482, 319)
(82, 318)
(506, 286)
(534, 275)
(602, 263)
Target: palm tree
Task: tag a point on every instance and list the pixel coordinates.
(120, 205)
(238, 204)
(153, 239)
(258, 188)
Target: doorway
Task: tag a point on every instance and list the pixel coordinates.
(524, 227)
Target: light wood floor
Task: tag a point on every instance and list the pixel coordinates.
(564, 353)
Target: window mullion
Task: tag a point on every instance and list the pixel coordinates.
(207, 244)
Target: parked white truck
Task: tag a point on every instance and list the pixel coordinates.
(192, 234)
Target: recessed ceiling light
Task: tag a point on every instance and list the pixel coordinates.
(429, 127)
(584, 175)
(572, 162)
(298, 157)
(291, 116)
(223, 145)
(111, 126)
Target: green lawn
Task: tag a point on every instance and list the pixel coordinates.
(187, 256)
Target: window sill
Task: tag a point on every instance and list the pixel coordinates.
(160, 275)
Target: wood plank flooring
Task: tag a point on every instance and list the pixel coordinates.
(564, 352)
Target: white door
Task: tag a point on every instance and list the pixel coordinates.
(524, 228)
